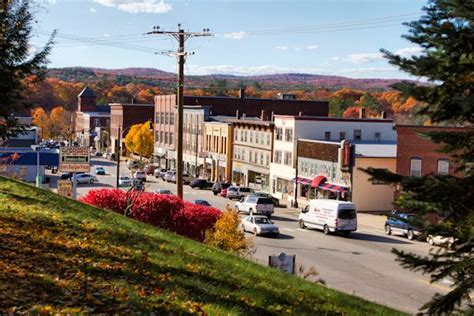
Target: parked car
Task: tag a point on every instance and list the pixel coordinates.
(259, 225)
(150, 169)
(398, 223)
(65, 176)
(164, 191)
(186, 178)
(253, 204)
(160, 173)
(138, 185)
(140, 175)
(169, 175)
(125, 181)
(202, 202)
(440, 241)
(85, 178)
(276, 202)
(330, 216)
(100, 171)
(218, 186)
(200, 183)
(235, 192)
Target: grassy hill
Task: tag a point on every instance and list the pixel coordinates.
(57, 255)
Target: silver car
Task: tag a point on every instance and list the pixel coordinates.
(85, 178)
(259, 225)
(164, 191)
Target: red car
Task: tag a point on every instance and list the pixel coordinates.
(223, 193)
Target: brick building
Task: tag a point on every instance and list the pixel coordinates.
(124, 116)
(91, 120)
(417, 155)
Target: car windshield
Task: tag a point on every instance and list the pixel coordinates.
(347, 214)
(262, 220)
(244, 190)
(264, 201)
(232, 189)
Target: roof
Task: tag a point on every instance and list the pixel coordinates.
(334, 119)
(87, 93)
(29, 158)
(376, 150)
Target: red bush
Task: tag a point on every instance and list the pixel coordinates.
(156, 209)
(111, 199)
(194, 220)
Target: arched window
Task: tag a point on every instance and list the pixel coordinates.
(415, 167)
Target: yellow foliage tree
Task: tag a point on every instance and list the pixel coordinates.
(227, 236)
(60, 121)
(41, 120)
(139, 140)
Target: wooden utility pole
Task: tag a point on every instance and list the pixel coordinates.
(181, 36)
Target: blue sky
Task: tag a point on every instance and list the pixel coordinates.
(330, 37)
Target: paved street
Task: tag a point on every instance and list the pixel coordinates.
(361, 264)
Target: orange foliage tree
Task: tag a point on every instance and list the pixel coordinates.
(41, 120)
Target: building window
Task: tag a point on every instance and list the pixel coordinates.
(157, 137)
(289, 134)
(167, 116)
(243, 155)
(157, 118)
(357, 134)
(277, 158)
(245, 136)
(171, 138)
(304, 167)
(313, 169)
(443, 166)
(97, 122)
(166, 138)
(415, 167)
(261, 159)
(377, 136)
(162, 118)
(327, 135)
(255, 157)
(268, 159)
(236, 135)
(269, 141)
(257, 137)
(250, 137)
(342, 135)
(171, 118)
(279, 133)
(287, 159)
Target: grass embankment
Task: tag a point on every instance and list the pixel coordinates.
(58, 255)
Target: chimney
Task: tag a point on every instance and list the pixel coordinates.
(243, 116)
(242, 93)
(362, 113)
(237, 114)
(262, 115)
(300, 113)
(383, 115)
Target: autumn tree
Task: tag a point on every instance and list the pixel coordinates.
(446, 35)
(60, 122)
(41, 119)
(16, 60)
(139, 140)
(341, 99)
(354, 112)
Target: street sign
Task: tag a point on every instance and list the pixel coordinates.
(65, 188)
(283, 262)
(74, 159)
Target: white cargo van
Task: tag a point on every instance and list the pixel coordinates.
(330, 216)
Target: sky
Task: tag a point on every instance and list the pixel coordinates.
(327, 37)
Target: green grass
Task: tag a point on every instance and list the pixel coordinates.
(57, 255)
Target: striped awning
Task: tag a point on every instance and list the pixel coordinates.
(332, 187)
(301, 180)
(317, 181)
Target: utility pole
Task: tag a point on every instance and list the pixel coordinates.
(181, 36)
(119, 141)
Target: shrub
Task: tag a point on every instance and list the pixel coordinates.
(156, 209)
(227, 235)
(111, 199)
(194, 220)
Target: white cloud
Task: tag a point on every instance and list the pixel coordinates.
(106, 35)
(335, 58)
(364, 58)
(235, 35)
(281, 47)
(251, 70)
(312, 47)
(297, 49)
(137, 6)
(92, 10)
(51, 1)
(409, 51)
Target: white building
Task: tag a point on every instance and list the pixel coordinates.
(290, 128)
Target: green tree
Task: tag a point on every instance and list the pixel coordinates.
(16, 60)
(446, 36)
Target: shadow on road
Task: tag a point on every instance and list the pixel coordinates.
(283, 219)
(284, 236)
(375, 238)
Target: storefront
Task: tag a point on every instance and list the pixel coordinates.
(258, 181)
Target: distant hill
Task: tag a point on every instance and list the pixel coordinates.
(282, 82)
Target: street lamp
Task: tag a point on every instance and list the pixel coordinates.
(38, 179)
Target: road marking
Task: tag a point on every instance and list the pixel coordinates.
(288, 229)
(439, 286)
(303, 230)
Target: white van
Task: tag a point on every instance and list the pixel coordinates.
(330, 216)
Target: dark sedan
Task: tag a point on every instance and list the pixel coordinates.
(200, 184)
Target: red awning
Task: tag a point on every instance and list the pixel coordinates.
(317, 181)
(301, 180)
(332, 187)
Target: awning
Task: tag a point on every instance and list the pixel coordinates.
(301, 180)
(332, 187)
(317, 181)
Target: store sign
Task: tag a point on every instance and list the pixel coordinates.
(283, 262)
(65, 188)
(346, 155)
(74, 159)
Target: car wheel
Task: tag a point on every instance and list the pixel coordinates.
(326, 230)
(430, 241)
(410, 234)
(215, 193)
(388, 230)
(251, 212)
(255, 232)
(237, 209)
(91, 181)
(302, 225)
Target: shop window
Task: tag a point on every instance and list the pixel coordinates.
(357, 134)
(279, 133)
(327, 135)
(443, 166)
(415, 167)
(342, 135)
